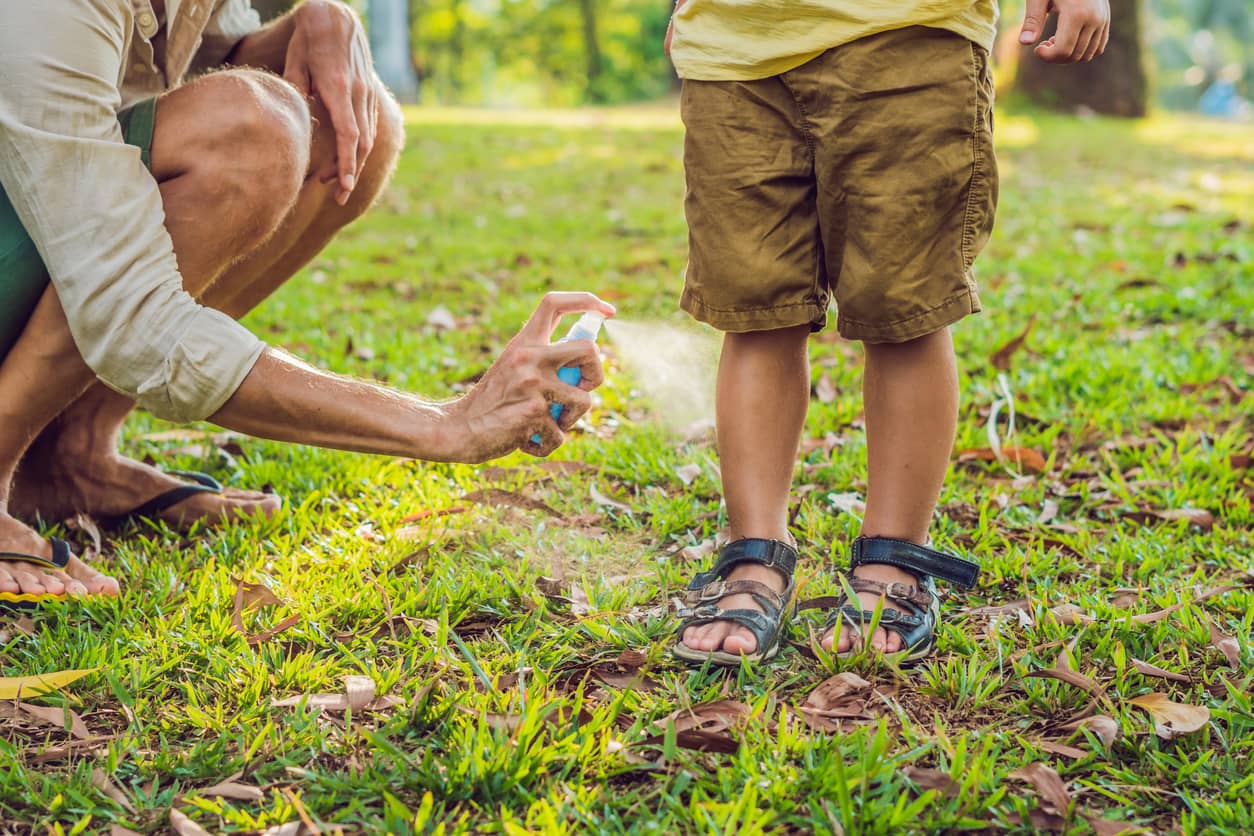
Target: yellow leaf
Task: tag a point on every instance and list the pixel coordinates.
(11, 687)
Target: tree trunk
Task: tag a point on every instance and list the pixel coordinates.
(389, 42)
(592, 49)
(1115, 83)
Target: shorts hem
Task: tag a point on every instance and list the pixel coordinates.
(920, 325)
(742, 320)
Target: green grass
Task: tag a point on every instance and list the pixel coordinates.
(1129, 243)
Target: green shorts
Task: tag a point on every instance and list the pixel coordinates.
(22, 274)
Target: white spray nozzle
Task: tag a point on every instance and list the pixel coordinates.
(586, 327)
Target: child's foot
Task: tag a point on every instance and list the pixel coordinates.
(727, 635)
(844, 638)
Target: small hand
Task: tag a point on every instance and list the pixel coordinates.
(511, 402)
(1083, 29)
(329, 57)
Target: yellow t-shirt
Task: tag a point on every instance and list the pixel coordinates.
(728, 40)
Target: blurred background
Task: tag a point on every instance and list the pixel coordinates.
(1192, 55)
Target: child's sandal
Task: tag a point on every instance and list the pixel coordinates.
(917, 608)
(708, 588)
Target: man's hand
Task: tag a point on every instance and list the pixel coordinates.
(329, 57)
(511, 403)
(1083, 29)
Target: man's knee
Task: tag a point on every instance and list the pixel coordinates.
(245, 136)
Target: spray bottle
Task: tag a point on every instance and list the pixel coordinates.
(585, 328)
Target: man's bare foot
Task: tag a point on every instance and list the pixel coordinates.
(884, 641)
(19, 577)
(729, 636)
(56, 487)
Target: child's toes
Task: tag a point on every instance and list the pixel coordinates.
(740, 640)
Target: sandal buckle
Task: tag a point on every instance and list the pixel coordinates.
(713, 591)
(899, 590)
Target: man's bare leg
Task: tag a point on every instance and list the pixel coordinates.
(763, 393)
(249, 173)
(910, 391)
(74, 465)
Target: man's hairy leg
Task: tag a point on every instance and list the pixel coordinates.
(74, 465)
(263, 126)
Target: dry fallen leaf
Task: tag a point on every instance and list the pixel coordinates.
(500, 498)
(1172, 719)
(1225, 644)
(1061, 749)
(56, 716)
(231, 788)
(184, 826)
(1071, 614)
(710, 716)
(932, 779)
(358, 696)
(1199, 517)
(1048, 785)
(1070, 677)
(1025, 457)
(688, 473)
(825, 389)
(103, 782)
(13, 687)
(605, 501)
(441, 319)
(850, 503)
(1001, 357)
(1102, 726)
(1153, 670)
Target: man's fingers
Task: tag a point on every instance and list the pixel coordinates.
(362, 106)
(297, 74)
(554, 306)
(1094, 46)
(551, 437)
(1033, 21)
(581, 353)
(1099, 43)
(1085, 42)
(336, 97)
(575, 404)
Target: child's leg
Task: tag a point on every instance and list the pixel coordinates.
(910, 391)
(763, 391)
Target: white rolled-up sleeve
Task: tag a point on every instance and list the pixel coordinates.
(95, 214)
(231, 22)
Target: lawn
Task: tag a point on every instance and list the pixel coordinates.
(506, 629)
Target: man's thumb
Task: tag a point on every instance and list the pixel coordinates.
(1033, 21)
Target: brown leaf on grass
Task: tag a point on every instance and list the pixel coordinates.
(825, 389)
(87, 525)
(1107, 827)
(926, 778)
(1070, 677)
(252, 596)
(56, 716)
(1025, 457)
(605, 501)
(1198, 517)
(1019, 605)
(630, 681)
(837, 691)
(1102, 726)
(1002, 356)
(688, 473)
(631, 659)
(1225, 644)
(119, 830)
(1232, 392)
(1159, 615)
(1070, 614)
(358, 696)
(184, 826)
(1153, 670)
(700, 551)
(501, 498)
(576, 598)
(1048, 785)
(1073, 752)
(709, 716)
(102, 781)
(232, 788)
(419, 516)
(1172, 719)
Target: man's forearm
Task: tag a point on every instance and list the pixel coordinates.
(267, 47)
(286, 400)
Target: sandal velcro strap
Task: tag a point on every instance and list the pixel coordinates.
(919, 560)
(773, 554)
(888, 616)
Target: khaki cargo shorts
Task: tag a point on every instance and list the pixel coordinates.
(866, 174)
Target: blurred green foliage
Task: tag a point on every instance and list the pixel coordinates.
(565, 52)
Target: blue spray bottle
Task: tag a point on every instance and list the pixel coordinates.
(585, 328)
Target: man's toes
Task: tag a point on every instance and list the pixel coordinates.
(740, 640)
(29, 582)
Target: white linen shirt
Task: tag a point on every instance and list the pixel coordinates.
(92, 208)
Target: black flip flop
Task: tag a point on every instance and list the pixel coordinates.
(27, 601)
(200, 483)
